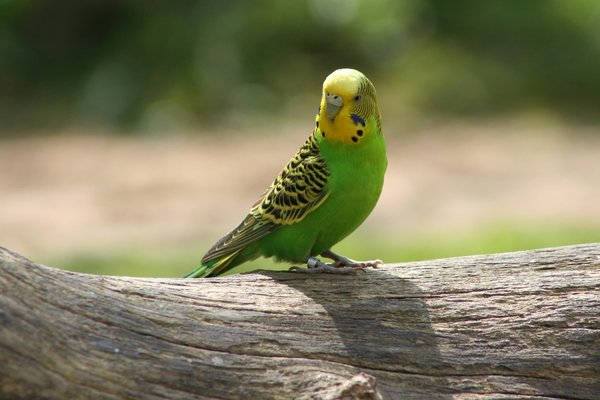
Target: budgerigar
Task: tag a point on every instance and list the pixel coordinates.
(323, 194)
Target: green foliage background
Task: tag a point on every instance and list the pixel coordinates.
(136, 66)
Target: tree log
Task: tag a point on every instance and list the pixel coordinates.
(516, 325)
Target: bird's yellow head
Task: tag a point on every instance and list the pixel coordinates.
(348, 111)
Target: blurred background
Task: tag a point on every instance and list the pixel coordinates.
(133, 134)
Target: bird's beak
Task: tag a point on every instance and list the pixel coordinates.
(333, 106)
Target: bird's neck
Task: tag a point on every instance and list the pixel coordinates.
(344, 128)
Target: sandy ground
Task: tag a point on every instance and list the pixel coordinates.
(91, 192)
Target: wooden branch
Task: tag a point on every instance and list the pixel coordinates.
(496, 326)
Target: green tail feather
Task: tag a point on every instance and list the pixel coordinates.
(213, 267)
(199, 272)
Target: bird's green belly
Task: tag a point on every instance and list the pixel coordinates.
(351, 199)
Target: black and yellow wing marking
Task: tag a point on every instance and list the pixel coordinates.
(296, 192)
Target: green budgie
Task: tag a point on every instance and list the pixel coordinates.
(323, 194)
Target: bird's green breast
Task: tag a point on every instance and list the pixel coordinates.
(355, 183)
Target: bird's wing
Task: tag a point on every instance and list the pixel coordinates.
(297, 191)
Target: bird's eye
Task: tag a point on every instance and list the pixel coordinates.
(357, 97)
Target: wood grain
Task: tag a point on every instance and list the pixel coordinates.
(516, 325)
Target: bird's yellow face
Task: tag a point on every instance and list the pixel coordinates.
(348, 112)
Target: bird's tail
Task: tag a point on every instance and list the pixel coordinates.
(213, 267)
(199, 272)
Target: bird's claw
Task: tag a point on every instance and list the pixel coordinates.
(340, 261)
(326, 269)
(362, 265)
(344, 267)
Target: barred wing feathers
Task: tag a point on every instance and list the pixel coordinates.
(297, 191)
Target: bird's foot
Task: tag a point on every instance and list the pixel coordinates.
(316, 266)
(340, 261)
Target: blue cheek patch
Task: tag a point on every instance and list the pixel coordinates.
(357, 120)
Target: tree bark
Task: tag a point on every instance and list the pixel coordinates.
(516, 325)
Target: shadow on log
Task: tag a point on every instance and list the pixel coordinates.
(515, 325)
